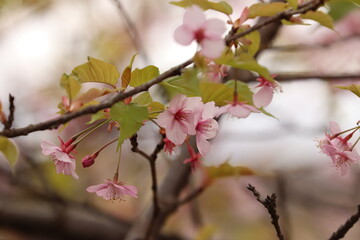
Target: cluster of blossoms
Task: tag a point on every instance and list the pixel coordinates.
(338, 148)
(189, 116)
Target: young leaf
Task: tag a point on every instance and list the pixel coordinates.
(97, 116)
(319, 17)
(92, 94)
(226, 170)
(9, 149)
(141, 76)
(187, 83)
(71, 85)
(130, 117)
(217, 92)
(154, 108)
(143, 99)
(353, 88)
(96, 70)
(222, 6)
(126, 75)
(293, 4)
(266, 9)
(254, 38)
(244, 92)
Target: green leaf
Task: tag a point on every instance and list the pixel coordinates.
(130, 117)
(339, 9)
(217, 92)
(97, 116)
(9, 149)
(226, 170)
(141, 76)
(293, 4)
(254, 38)
(143, 99)
(154, 108)
(97, 71)
(71, 85)
(244, 92)
(353, 88)
(126, 75)
(320, 17)
(187, 84)
(244, 61)
(222, 6)
(266, 9)
(92, 94)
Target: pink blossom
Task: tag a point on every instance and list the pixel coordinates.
(112, 190)
(62, 156)
(237, 109)
(194, 159)
(169, 146)
(206, 128)
(215, 72)
(207, 32)
(264, 96)
(338, 148)
(179, 119)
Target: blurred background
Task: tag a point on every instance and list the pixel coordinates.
(42, 39)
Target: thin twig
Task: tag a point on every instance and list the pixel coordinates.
(343, 229)
(270, 204)
(191, 196)
(10, 120)
(154, 186)
(132, 30)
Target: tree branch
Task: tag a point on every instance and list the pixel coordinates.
(270, 204)
(10, 119)
(343, 229)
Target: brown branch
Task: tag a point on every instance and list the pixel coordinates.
(191, 196)
(287, 14)
(54, 123)
(343, 229)
(154, 187)
(10, 119)
(287, 77)
(270, 204)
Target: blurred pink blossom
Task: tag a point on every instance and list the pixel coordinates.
(237, 109)
(263, 97)
(62, 156)
(207, 32)
(112, 190)
(206, 128)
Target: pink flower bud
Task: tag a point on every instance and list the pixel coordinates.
(89, 160)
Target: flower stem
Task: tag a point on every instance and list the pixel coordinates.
(89, 131)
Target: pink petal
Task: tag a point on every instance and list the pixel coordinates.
(165, 119)
(183, 35)
(177, 103)
(194, 18)
(209, 110)
(263, 97)
(202, 145)
(49, 148)
(130, 190)
(97, 187)
(223, 109)
(353, 156)
(214, 28)
(334, 127)
(239, 111)
(212, 48)
(176, 134)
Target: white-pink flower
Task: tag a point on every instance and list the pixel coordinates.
(207, 32)
(112, 190)
(179, 119)
(206, 127)
(237, 109)
(338, 148)
(264, 96)
(63, 160)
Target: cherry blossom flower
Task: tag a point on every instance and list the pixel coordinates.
(179, 119)
(338, 148)
(206, 127)
(194, 159)
(169, 147)
(62, 156)
(264, 96)
(215, 72)
(207, 32)
(112, 190)
(237, 109)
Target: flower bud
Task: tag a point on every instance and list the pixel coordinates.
(89, 160)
